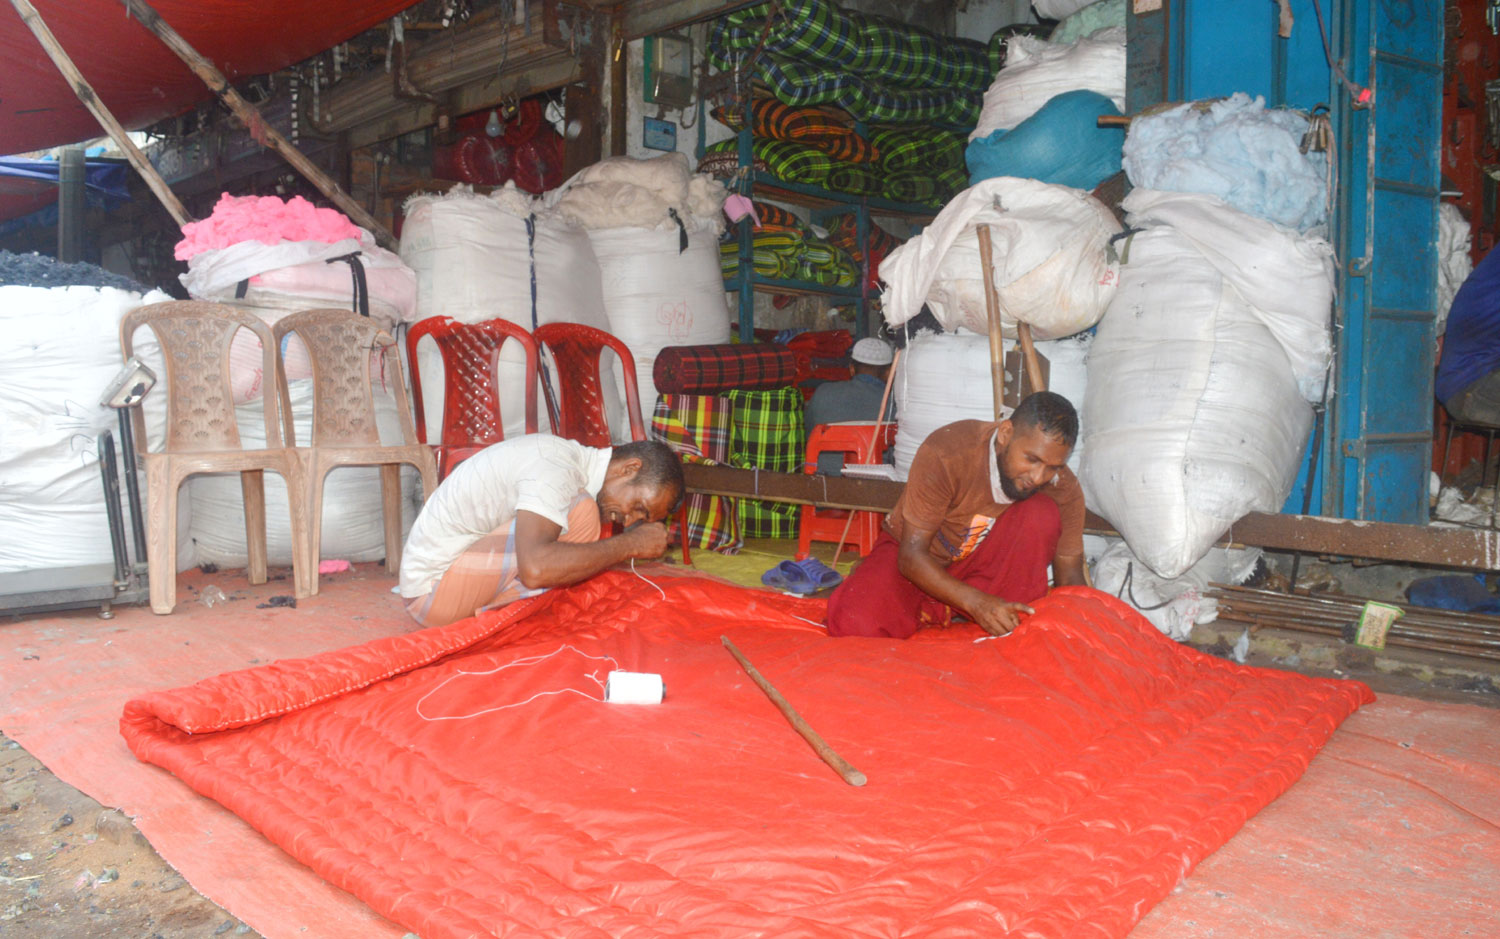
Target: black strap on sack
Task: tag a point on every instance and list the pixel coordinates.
(361, 303)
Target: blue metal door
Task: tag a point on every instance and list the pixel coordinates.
(1386, 234)
(1376, 446)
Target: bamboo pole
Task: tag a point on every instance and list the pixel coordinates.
(992, 311)
(1028, 352)
(253, 121)
(851, 775)
(85, 92)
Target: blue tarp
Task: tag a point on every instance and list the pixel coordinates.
(105, 177)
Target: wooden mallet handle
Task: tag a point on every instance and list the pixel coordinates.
(851, 775)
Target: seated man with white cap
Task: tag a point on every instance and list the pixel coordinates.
(857, 399)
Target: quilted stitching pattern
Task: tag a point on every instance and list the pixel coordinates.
(1058, 782)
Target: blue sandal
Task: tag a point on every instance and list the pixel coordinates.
(821, 575)
(789, 576)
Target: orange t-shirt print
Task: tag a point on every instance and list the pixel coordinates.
(978, 527)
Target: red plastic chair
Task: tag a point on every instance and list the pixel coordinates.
(853, 441)
(471, 402)
(576, 353)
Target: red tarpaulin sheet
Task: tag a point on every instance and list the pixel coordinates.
(1057, 782)
(142, 81)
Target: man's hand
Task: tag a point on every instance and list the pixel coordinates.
(998, 617)
(645, 539)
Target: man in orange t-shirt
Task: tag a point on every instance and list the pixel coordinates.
(987, 506)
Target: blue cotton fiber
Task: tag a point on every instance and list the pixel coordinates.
(1060, 144)
(1236, 149)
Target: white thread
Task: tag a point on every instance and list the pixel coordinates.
(592, 676)
(643, 577)
(805, 620)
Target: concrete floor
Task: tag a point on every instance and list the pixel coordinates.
(68, 674)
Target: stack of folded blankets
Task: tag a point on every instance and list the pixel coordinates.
(814, 52)
(786, 249)
(844, 233)
(819, 146)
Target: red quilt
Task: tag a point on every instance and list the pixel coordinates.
(466, 781)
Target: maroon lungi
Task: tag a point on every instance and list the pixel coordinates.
(1010, 563)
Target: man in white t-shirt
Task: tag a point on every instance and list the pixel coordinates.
(525, 515)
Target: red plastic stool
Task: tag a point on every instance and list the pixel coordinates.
(853, 441)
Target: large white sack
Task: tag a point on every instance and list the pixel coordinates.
(1192, 417)
(658, 296)
(1036, 71)
(1454, 264)
(59, 348)
(474, 258)
(1053, 265)
(945, 377)
(352, 521)
(1286, 278)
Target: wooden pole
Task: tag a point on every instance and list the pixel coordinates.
(1028, 352)
(85, 93)
(851, 775)
(992, 311)
(253, 121)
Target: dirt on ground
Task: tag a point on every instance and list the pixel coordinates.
(72, 869)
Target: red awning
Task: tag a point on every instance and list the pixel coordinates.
(137, 77)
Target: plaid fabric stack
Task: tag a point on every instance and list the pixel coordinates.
(791, 255)
(767, 433)
(826, 129)
(816, 52)
(697, 428)
(844, 233)
(713, 369)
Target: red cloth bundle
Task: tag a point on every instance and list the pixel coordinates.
(711, 369)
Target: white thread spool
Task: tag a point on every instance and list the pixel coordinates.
(633, 688)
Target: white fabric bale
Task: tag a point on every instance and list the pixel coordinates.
(658, 297)
(59, 348)
(1036, 71)
(945, 377)
(352, 521)
(1287, 278)
(625, 192)
(474, 259)
(1192, 417)
(1173, 605)
(1090, 19)
(1454, 264)
(1237, 149)
(1052, 263)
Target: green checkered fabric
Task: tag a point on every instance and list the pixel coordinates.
(827, 129)
(854, 180)
(784, 255)
(766, 431)
(876, 69)
(916, 188)
(906, 150)
(792, 162)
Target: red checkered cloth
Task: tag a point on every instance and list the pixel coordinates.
(699, 370)
(697, 428)
(823, 343)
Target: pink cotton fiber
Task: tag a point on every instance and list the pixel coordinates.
(332, 566)
(266, 219)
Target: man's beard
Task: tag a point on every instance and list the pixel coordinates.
(1013, 492)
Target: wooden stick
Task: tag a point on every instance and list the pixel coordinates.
(851, 775)
(1033, 366)
(85, 93)
(254, 122)
(992, 311)
(885, 399)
